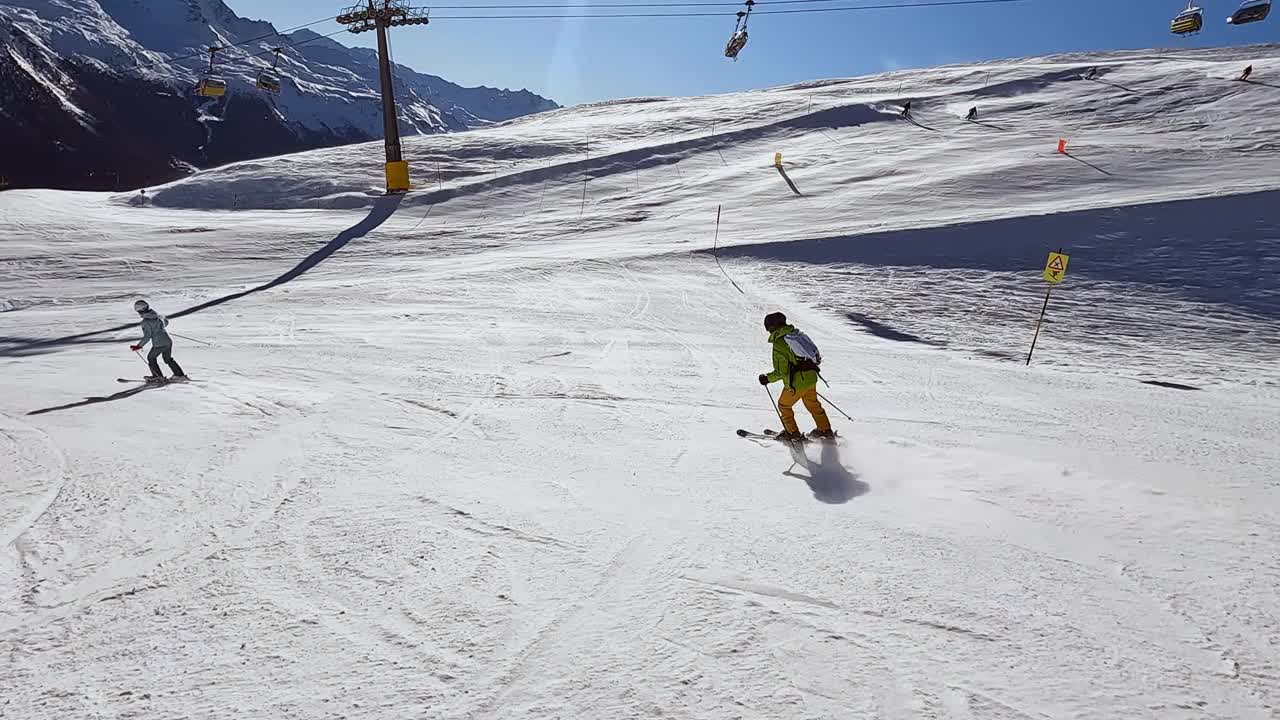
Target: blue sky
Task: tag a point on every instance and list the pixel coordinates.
(574, 61)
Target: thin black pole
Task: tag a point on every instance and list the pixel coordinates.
(184, 337)
(827, 400)
(715, 253)
(1043, 309)
(776, 411)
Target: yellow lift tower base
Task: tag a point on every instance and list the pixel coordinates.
(397, 177)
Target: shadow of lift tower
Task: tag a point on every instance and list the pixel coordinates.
(379, 15)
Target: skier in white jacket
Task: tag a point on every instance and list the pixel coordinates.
(153, 331)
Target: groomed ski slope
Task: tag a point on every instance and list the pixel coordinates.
(470, 452)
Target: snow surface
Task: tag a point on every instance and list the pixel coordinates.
(469, 452)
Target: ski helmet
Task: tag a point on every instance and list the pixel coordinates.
(141, 306)
(774, 320)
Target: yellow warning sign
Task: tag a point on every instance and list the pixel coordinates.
(1056, 268)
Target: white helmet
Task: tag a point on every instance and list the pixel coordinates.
(141, 306)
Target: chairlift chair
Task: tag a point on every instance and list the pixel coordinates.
(211, 85)
(1250, 11)
(738, 39)
(1188, 21)
(267, 79)
(736, 43)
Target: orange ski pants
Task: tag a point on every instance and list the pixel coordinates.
(790, 397)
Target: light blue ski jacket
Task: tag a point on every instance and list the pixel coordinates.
(153, 330)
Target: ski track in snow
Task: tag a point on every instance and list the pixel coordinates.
(469, 453)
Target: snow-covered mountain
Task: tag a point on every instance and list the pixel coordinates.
(87, 89)
(468, 453)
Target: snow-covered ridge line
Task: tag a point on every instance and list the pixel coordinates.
(1152, 114)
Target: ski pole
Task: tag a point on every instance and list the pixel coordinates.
(837, 409)
(142, 359)
(775, 409)
(184, 337)
(823, 379)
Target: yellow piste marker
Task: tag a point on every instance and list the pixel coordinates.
(1056, 267)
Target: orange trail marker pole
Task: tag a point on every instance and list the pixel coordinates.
(1062, 146)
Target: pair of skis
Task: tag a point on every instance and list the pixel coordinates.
(773, 435)
(157, 383)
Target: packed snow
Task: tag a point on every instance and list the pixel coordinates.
(469, 452)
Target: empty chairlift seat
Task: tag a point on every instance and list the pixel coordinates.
(268, 82)
(1250, 11)
(1187, 22)
(211, 87)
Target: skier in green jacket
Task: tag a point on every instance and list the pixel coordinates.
(799, 379)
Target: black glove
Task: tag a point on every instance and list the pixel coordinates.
(764, 379)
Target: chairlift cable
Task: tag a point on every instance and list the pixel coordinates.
(242, 42)
(606, 6)
(886, 6)
(593, 15)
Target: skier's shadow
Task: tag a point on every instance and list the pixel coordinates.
(918, 124)
(993, 126)
(95, 400)
(830, 481)
(1114, 85)
(1263, 84)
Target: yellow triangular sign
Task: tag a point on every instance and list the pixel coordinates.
(1056, 268)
